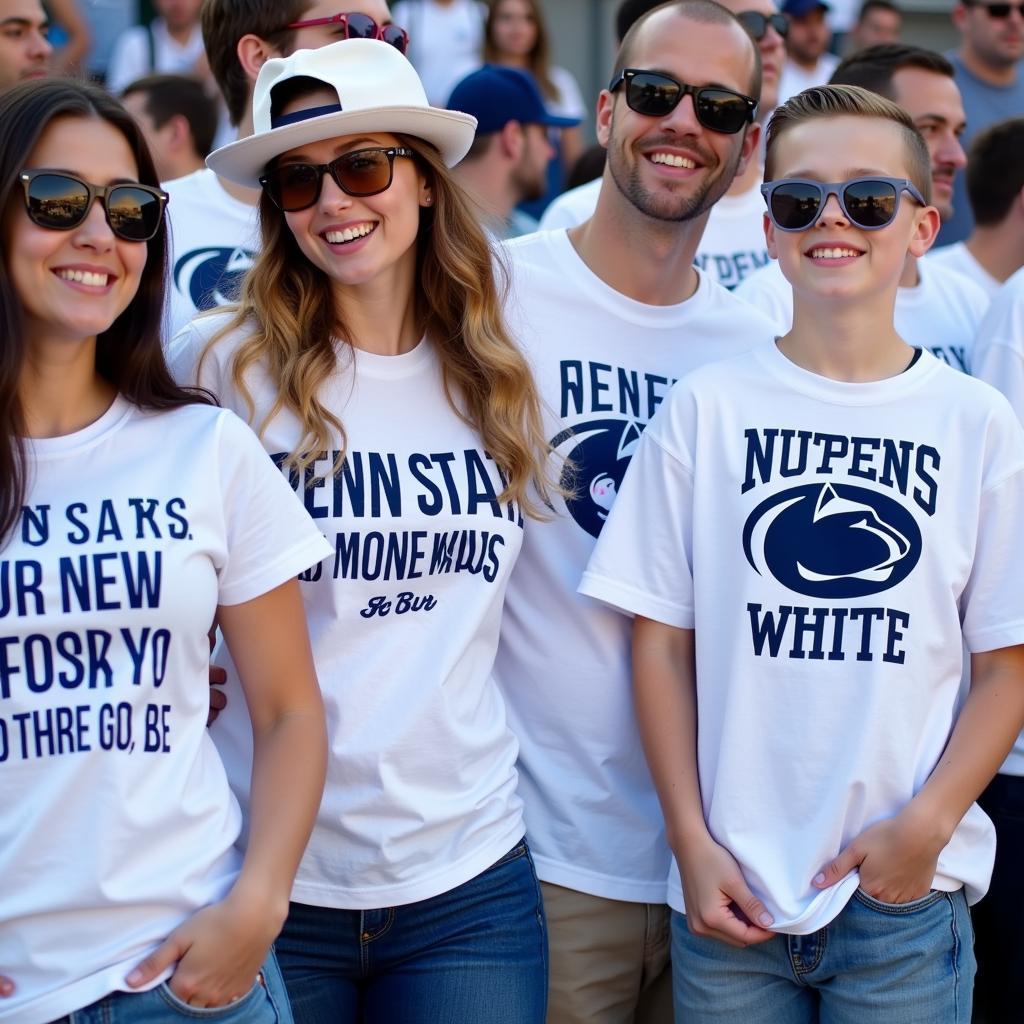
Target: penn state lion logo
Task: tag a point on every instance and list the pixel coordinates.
(599, 454)
(832, 540)
(211, 277)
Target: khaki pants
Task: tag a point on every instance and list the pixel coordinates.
(609, 960)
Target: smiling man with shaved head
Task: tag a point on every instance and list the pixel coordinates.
(610, 314)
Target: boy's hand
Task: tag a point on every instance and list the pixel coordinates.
(895, 858)
(218, 952)
(719, 903)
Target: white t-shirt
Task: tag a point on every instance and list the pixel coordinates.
(958, 257)
(213, 242)
(116, 820)
(829, 543)
(403, 618)
(794, 79)
(999, 360)
(572, 207)
(731, 248)
(940, 313)
(570, 100)
(603, 363)
(733, 244)
(445, 42)
(130, 59)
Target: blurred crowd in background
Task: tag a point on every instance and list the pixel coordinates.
(151, 54)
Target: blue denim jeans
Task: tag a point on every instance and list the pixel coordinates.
(265, 1003)
(876, 963)
(474, 955)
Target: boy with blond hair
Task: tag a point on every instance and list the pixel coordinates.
(806, 544)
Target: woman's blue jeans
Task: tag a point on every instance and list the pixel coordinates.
(265, 1003)
(475, 954)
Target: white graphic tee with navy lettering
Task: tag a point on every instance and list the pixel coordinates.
(213, 241)
(831, 544)
(116, 820)
(940, 314)
(403, 618)
(603, 363)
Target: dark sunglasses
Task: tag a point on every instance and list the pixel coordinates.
(757, 24)
(656, 95)
(360, 26)
(60, 201)
(794, 204)
(363, 172)
(999, 11)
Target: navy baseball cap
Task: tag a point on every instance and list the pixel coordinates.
(495, 95)
(798, 8)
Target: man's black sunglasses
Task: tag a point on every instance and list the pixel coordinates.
(654, 94)
(757, 24)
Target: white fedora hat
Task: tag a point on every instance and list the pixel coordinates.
(378, 91)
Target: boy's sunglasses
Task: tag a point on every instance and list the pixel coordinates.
(363, 172)
(757, 24)
(60, 201)
(794, 204)
(360, 26)
(656, 95)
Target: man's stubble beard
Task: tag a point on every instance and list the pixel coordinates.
(673, 209)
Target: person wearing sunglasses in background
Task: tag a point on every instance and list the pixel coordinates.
(369, 350)
(131, 513)
(825, 549)
(610, 314)
(936, 307)
(214, 232)
(988, 68)
(732, 246)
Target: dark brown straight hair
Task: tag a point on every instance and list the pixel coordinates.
(128, 353)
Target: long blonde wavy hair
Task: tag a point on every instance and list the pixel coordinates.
(289, 308)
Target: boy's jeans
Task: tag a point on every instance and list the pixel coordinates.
(876, 963)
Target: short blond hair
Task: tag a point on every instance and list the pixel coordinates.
(824, 101)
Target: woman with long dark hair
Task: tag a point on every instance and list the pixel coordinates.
(370, 353)
(131, 513)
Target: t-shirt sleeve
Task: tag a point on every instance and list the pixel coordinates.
(992, 604)
(129, 59)
(770, 293)
(999, 345)
(182, 354)
(1002, 365)
(643, 560)
(570, 99)
(270, 536)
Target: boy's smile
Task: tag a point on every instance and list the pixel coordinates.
(834, 257)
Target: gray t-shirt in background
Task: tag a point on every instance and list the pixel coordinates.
(985, 105)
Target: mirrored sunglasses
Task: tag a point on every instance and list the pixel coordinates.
(794, 204)
(654, 94)
(60, 201)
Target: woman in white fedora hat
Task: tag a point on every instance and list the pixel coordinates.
(369, 353)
